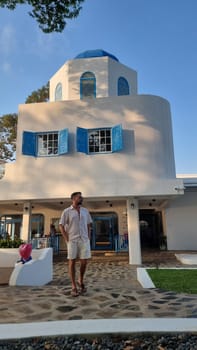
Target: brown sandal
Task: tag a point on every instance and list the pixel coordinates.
(74, 292)
(82, 287)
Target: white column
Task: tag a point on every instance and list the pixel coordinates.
(133, 232)
(26, 224)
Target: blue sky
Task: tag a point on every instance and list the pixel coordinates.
(157, 38)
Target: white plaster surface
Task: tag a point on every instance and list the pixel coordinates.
(180, 216)
(147, 154)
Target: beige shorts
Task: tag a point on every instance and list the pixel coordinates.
(78, 249)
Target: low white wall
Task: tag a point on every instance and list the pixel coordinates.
(9, 256)
(37, 272)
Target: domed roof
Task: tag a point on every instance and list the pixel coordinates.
(95, 53)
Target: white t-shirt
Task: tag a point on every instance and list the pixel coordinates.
(76, 223)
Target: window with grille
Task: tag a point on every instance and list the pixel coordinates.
(87, 85)
(45, 144)
(99, 140)
(102, 140)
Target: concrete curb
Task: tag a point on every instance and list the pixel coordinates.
(144, 278)
(96, 327)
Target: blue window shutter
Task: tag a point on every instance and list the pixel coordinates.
(82, 140)
(117, 138)
(29, 143)
(63, 141)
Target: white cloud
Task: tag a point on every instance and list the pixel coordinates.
(6, 67)
(46, 44)
(7, 39)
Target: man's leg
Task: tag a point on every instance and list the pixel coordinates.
(83, 265)
(71, 268)
(72, 256)
(84, 255)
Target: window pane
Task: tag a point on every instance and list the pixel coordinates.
(87, 75)
(108, 148)
(108, 140)
(47, 145)
(98, 142)
(58, 92)
(123, 87)
(88, 85)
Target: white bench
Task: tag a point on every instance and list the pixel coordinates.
(36, 272)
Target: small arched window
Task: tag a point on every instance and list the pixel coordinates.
(58, 92)
(123, 87)
(87, 85)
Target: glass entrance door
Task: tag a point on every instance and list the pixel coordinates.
(10, 226)
(102, 235)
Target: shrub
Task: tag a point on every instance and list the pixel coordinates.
(10, 243)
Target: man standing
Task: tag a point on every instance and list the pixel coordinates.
(75, 225)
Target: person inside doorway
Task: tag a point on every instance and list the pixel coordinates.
(52, 235)
(75, 226)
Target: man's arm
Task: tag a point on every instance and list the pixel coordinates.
(63, 232)
(89, 230)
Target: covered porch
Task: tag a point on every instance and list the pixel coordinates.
(119, 224)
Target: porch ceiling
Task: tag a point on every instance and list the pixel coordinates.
(98, 203)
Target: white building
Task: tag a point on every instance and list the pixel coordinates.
(99, 136)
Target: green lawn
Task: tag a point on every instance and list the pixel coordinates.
(181, 281)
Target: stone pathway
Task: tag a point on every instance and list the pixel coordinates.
(113, 292)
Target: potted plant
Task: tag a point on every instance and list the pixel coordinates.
(163, 242)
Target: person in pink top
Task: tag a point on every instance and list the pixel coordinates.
(75, 227)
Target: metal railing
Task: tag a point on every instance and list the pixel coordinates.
(46, 242)
(121, 243)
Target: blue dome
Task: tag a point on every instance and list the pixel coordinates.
(95, 53)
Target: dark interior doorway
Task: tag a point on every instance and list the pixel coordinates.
(151, 228)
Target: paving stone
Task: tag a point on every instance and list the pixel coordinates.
(153, 307)
(66, 308)
(113, 292)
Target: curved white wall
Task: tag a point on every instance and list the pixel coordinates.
(145, 166)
